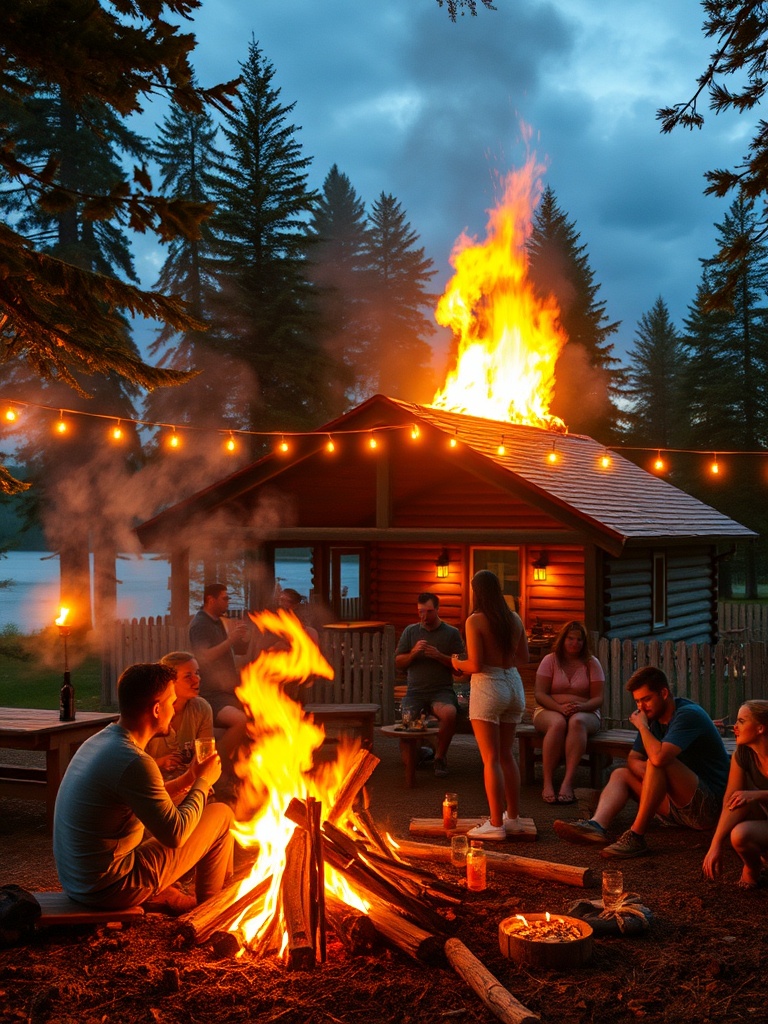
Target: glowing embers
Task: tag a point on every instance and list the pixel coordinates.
(509, 337)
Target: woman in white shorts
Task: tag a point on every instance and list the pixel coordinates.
(496, 644)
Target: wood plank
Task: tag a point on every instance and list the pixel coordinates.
(433, 827)
(58, 908)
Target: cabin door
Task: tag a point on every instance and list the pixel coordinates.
(347, 566)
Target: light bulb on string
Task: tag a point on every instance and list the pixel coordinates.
(61, 426)
(658, 465)
(10, 415)
(605, 459)
(501, 450)
(230, 444)
(415, 432)
(283, 446)
(552, 456)
(174, 441)
(116, 433)
(330, 446)
(714, 467)
(453, 443)
(372, 442)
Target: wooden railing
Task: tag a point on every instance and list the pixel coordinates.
(363, 663)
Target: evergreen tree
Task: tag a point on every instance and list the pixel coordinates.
(397, 361)
(339, 271)
(266, 304)
(657, 412)
(587, 378)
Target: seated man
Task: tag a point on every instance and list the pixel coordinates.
(424, 654)
(113, 790)
(677, 769)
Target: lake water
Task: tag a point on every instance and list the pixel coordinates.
(32, 602)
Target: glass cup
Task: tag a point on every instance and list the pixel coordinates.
(613, 889)
(204, 748)
(407, 716)
(459, 847)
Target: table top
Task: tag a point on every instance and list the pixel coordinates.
(408, 734)
(16, 721)
(355, 626)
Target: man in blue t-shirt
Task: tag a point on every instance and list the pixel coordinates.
(424, 654)
(677, 769)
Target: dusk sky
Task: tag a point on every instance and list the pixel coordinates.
(404, 101)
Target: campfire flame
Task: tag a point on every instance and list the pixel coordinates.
(508, 337)
(279, 766)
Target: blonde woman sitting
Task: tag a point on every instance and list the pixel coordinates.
(569, 695)
(192, 718)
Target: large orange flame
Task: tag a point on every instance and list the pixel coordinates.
(279, 766)
(508, 337)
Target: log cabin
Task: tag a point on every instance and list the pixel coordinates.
(417, 498)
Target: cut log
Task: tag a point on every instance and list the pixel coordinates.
(408, 937)
(359, 772)
(221, 910)
(295, 898)
(363, 819)
(353, 928)
(506, 863)
(317, 891)
(498, 1000)
(433, 828)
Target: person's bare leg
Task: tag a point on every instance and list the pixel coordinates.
(673, 781)
(750, 840)
(235, 724)
(510, 769)
(552, 725)
(580, 727)
(487, 736)
(623, 784)
(446, 729)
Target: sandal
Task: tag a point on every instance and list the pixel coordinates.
(549, 799)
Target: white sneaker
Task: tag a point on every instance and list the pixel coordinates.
(496, 833)
(513, 826)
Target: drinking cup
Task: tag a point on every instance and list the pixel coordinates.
(459, 847)
(613, 889)
(204, 748)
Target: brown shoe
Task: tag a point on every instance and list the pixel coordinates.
(171, 901)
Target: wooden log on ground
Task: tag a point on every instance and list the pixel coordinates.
(499, 1000)
(221, 910)
(407, 936)
(433, 827)
(354, 929)
(506, 863)
(359, 772)
(295, 899)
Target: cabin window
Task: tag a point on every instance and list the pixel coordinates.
(505, 562)
(659, 589)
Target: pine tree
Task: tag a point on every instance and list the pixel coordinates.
(657, 412)
(266, 303)
(587, 378)
(397, 361)
(339, 271)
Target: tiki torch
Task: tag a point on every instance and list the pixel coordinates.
(67, 692)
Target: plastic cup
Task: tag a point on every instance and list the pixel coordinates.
(204, 748)
(613, 889)
(459, 847)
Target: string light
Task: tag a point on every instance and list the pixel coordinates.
(415, 433)
(501, 450)
(116, 433)
(283, 446)
(605, 459)
(454, 440)
(372, 442)
(174, 441)
(552, 456)
(230, 444)
(10, 415)
(330, 446)
(714, 468)
(61, 426)
(658, 465)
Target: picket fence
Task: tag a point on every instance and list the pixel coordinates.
(737, 620)
(363, 663)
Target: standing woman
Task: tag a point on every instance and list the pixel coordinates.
(569, 695)
(745, 805)
(496, 645)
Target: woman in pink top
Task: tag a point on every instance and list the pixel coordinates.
(569, 695)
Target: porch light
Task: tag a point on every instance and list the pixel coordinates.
(540, 567)
(441, 564)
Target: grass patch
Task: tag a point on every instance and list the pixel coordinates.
(32, 669)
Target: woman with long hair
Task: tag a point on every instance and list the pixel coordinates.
(744, 816)
(192, 717)
(496, 645)
(569, 695)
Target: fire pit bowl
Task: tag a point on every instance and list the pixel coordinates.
(542, 940)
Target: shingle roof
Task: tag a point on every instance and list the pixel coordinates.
(623, 498)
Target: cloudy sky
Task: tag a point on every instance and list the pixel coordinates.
(406, 102)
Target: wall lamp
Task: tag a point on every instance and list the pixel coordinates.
(540, 567)
(442, 562)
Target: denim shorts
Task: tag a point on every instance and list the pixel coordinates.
(701, 813)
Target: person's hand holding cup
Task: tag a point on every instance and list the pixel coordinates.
(207, 761)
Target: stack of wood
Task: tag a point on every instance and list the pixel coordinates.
(409, 907)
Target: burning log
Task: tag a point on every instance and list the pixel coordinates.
(353, 928)
(317, 877)
(505, 863)
(498, 1000)
(360, 771)
(295, 894)
(221, 911)
(408, 937)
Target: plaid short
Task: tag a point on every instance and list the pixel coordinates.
(701, 813)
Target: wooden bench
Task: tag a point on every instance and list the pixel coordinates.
(57, 908)
(602, 748)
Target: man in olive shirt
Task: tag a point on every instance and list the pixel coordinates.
(113, 791)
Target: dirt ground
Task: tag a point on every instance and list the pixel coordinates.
(704, 958)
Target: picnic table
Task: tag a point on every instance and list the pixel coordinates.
(41, 730)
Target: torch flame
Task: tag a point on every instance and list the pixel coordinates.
(63, 613)
(279, 765)
(509, 338)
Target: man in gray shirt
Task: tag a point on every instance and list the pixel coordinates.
(424, 654)
(113, 791)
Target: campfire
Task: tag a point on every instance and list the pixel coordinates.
(509, 338)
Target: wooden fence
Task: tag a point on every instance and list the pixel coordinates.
(363, 663)
(744, 621)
